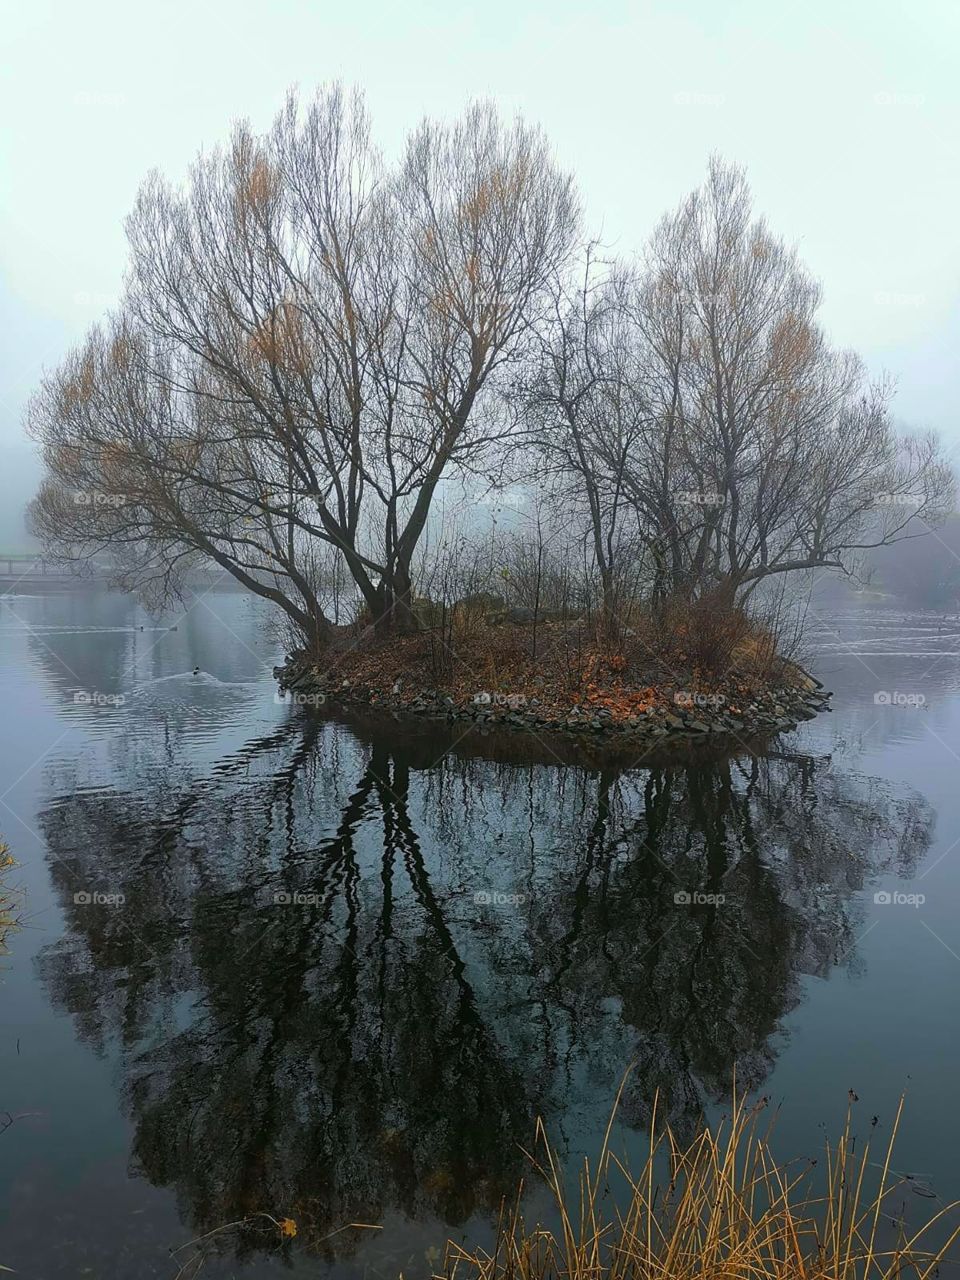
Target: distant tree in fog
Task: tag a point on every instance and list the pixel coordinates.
(924, 572)
(700, 390)
(580, 399)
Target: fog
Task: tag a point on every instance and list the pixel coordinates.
(845, 117)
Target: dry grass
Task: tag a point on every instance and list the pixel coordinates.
(719, 1209)
(8, 920)
(684, 643)
(709, 635)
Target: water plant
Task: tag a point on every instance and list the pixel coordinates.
(721, 1207)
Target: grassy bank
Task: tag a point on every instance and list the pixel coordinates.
(8, 919)
(719, 1207)
(723, 1208)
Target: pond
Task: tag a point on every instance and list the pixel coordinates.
(273, 961)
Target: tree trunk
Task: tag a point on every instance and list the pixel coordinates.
(611, 620)
(394, 608)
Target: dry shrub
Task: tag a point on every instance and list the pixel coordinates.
(722, 1208)
(757, 653)
(704, 633)
(8, 918)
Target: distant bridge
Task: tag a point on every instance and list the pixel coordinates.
(28, 570)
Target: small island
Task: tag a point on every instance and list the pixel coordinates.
(692, 677)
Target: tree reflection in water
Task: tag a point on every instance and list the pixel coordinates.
(387, 1043)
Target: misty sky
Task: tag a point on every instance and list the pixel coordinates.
(845, 115)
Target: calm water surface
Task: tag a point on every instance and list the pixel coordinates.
(275, 962)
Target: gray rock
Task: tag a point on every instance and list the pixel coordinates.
(515, 614)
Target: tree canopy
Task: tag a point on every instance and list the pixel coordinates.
(313, 341)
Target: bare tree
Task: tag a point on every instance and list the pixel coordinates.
(308, 345)
(582, 403)
(769, 451)
(700, 393)
(312, 343)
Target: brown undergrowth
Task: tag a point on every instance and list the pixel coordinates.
(8, 919)
(650, 658)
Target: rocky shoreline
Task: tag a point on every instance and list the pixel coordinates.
(679, 715)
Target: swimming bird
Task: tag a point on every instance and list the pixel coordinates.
(196, 671)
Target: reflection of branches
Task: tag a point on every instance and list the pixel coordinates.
(378, 1040)
(403, 839)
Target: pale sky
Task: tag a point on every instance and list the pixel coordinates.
(845, 114)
